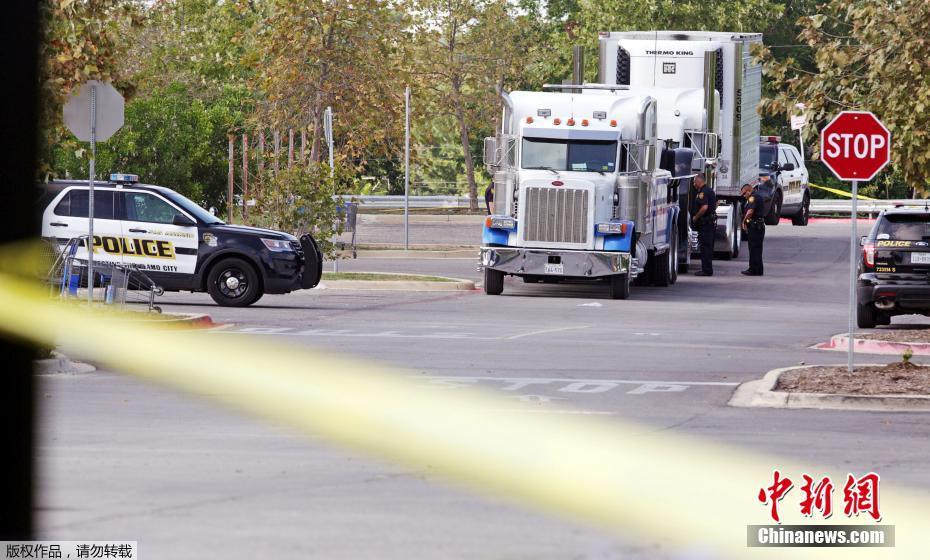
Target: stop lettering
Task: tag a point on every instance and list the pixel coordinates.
(855, 146)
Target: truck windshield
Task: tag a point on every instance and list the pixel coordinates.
(569, 155)
(768, 156)
(904, 227)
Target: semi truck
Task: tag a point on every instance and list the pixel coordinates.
(722, 64)
(584, 188)
(593, 181)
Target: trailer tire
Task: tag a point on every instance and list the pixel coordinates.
(493, 282)
(619, 286)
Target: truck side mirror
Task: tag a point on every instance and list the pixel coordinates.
(863, 240)
(787, 167)
(491, 162)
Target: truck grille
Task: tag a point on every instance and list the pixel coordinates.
(558, 215)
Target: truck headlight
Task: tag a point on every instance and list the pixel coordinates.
(611, 228)
(500, 222)
(277, 244)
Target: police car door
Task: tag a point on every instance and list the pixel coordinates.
(160, 238)
(790, 180)
(66, 217)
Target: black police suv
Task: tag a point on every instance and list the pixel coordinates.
(894, 267)
(178, 244)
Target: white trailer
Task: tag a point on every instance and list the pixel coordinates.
(720, 64)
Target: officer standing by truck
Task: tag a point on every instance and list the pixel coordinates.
(754, 226)
(704, 219)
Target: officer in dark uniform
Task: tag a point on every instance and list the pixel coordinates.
(754, 226)
(704, 219)
(489, 197)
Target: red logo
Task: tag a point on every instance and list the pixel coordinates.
(860, 495)
(855, 145)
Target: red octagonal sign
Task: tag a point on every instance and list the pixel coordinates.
(855, 145)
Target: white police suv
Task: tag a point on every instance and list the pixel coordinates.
(178, 244)
(791, 195)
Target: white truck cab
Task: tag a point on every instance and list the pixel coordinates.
(579, 193)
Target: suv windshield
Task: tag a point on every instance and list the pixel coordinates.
(768, 156)
(569, 155)
(192, 208)
(904, 227)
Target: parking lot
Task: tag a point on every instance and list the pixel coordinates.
(117, 455)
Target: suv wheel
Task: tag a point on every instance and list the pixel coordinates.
(866, 316)
(233, 282)
(775, 211)
(804, 213)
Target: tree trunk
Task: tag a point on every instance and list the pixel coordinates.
(466, 146)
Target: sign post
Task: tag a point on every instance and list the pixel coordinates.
(407, 169)
(93, 113)
(855, 146)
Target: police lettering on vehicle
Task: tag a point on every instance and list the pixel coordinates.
(131, 246)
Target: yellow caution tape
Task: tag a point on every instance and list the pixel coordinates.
(841, 193)
(684, 492)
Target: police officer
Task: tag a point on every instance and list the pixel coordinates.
(754, 226)
(704, 219)
(489, 197)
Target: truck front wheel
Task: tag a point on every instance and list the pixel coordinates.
(493, 282)
(619, 286)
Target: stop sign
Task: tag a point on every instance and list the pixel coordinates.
(855, 145)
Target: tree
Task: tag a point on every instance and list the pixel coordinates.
(464, 51)
(868, 56)
(169, 139)
(206, 45)
(83, 40)
(337, 53)
(300, 199)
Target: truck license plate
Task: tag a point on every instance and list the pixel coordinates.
(559, 269)
(920, 258)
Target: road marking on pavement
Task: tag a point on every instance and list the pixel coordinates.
(565, 385)
(595, 304)
(545, 331)
(291, 331)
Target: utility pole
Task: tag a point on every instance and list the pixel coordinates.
(229, 187)
(245, 176)
(407, 169)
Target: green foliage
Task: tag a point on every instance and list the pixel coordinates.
(169, 139)
(866, 56)
(300, 200)
(83, 40)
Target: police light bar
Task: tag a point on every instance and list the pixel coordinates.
(123, 178)
(775, 139)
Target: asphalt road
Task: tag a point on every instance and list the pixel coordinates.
(122, 459)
